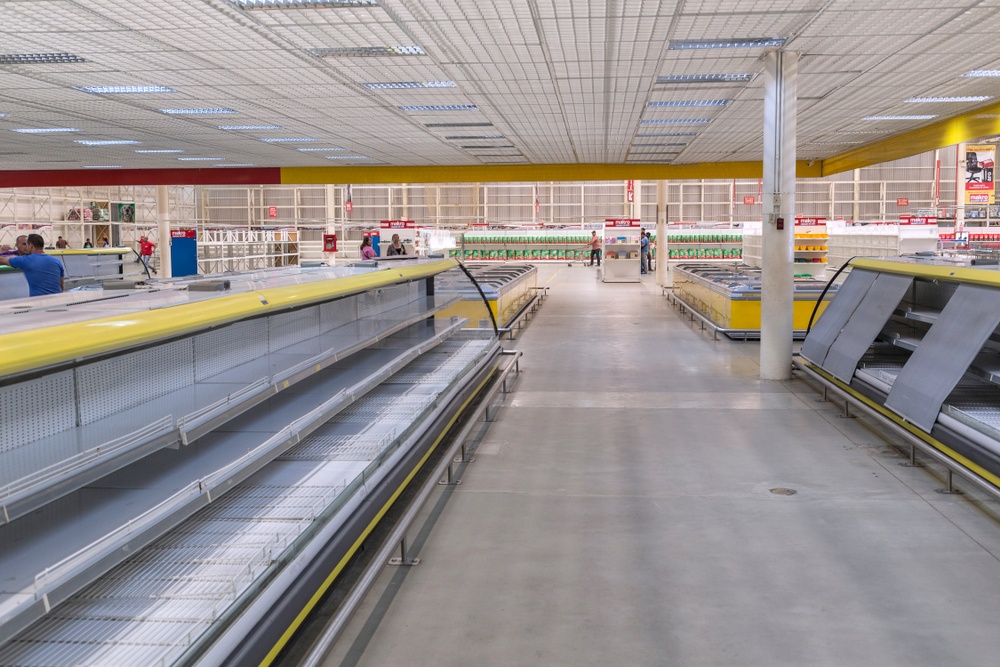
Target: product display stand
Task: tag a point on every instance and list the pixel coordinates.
(621, 250)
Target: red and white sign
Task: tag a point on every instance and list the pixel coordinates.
(917, 220)
(183, 234)
(621, 222)
(809, 222)
(348, 206)
(631, 191)
(272, 211)
(749, 200)
(397, 224)
(902, 201)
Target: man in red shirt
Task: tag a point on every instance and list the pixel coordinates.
(146, 248)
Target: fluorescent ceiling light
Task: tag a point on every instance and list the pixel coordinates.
(746, 43)
(102, 166)
(863, 132)
(44, 130)
(211, 111)
(249, 127)
(301, 4)
(672, 121)
(667, 134)
(367, 52)
(159, 150)
(923, 117)
(661, 144)
(4, 115)
(516, 157)
(347, 157)
(704, 78)
(287, 140)
(966, 98)
(234, 164)
(831, 143)
(480, 136)
(473, 147)
(125, 90)
(38, 58)
(676, 104)
(983, 73)
(458, 124)
(192, 159)
(320, 150)
(439, 107)
(393, 85)
(106, 142)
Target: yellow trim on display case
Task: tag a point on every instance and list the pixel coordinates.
(962, 274)
(41, 348)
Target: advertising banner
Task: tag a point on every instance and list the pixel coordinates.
(980, 161)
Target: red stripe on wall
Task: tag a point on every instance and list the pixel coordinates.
(57, 178)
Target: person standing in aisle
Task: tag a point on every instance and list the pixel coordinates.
(595, 248)
(367, 252)
(643, 251)
(61, 243)
(45, 274)
(146, 248)
(395, 248)
(652, 251)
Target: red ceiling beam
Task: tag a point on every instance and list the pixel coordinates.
(59, 178)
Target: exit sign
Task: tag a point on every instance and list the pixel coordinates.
(903, 201)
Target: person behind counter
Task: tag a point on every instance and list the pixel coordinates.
(395, 248)
(367, 252)
(104, 242)
(20, 247)
(45, 274)
(62, 244)
(88, 244)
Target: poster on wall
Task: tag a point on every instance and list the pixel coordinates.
(979, 165)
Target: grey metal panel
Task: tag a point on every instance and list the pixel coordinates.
(944, 354)
(825, 330)
(864, 324)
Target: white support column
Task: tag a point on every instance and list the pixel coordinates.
(163, 223)
(780, 76)
(661, 232)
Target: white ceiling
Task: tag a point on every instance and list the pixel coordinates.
(549, 81)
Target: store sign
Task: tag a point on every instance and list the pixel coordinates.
(631, 191)
(397, 224)
(183, 234)
(902, 201)
(980, 161)
(749, 201)
(272, 211)
(918, 220)
(809, 222)
(621, 222)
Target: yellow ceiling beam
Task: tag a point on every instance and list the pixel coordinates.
(968, 126)
(533, 172)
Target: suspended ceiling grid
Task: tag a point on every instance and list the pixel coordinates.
(533, 82)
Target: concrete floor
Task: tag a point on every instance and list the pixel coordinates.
(620, 513)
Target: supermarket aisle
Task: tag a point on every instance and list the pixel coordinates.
(621, 513)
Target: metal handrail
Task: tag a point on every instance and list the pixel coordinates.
(914, 441)
(320, 648)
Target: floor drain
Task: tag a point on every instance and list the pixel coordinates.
(782, 491)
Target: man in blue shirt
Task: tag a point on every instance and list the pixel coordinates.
(45, 274)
